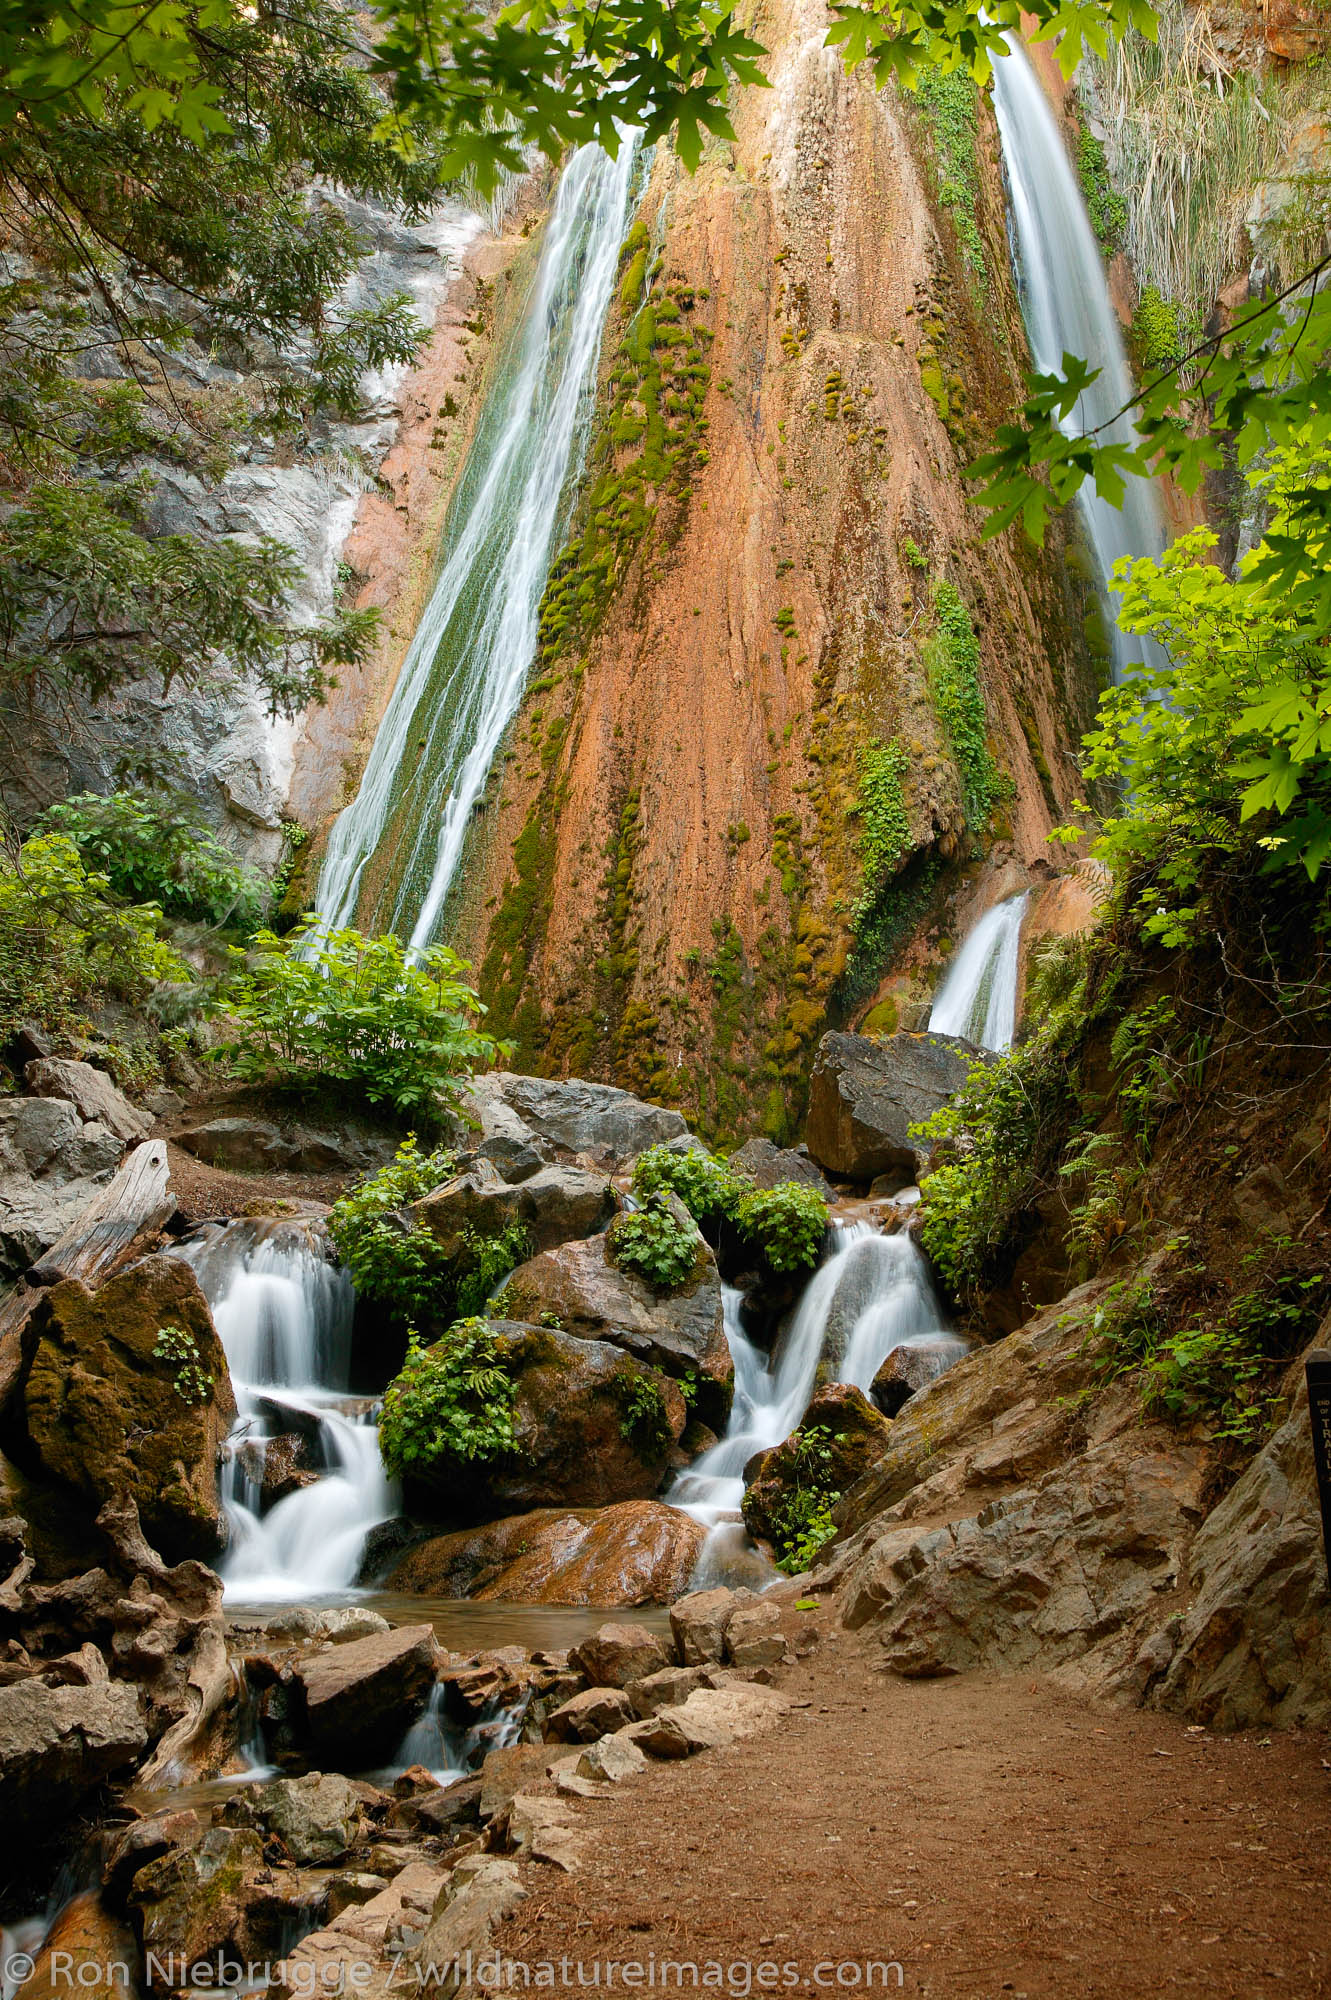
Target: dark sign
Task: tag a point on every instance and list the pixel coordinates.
(1319, 1412)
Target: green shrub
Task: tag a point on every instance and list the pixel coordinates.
(642, 1420)
(352, 1013)
(786, 1224)
(400, 1265)
(159, 850)
(1161, 333)
(66, 947)
(452, 1402)
(801, 1522)
(488, 1259)
(655, 1244)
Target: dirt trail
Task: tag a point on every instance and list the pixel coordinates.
(994, 1835)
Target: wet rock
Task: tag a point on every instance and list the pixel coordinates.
(84, 1952)
(219, 1895)
(913, 1366)
(451, 1806)
(638, 1552)
(612, 1759)
(340, 1623)
(589, 1296)
(52, 1166)
(593, 1427)
(618, 1654)
(769, 1166)
(58, 1744)
(317, 1818)
(594, 1712)
(553, 1206)
(859, 1435)
(361, 1696)
(103, 1410)
(754, 1637)
(698, 1624)
(144, 1840)
(278, 1466)
(97, 1099)
(864, 1096)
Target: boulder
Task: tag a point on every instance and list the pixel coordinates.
(83, 1952)
(593, 1427)
(554, 1205)
(709, 1719)
(769, 1166)
(103, 1408)
(58, 1744)
(754, 1637)
(216, 1896)
(864, 1097)
(612, 1759)
(859, 1436)
(360, 1697)
(666, 1688)
(638, 1552)
(681, 1331)
(473, 1900)
(52, 1166)
(564, 1116)
(278, 1465)
(594, 1712)
(316, 1818)
(246, 1144)
(505, 1771)
(618, 1654)
(913, 1366)
(96, 1098)
(698, 1624)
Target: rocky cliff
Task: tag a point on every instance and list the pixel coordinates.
(782, 687)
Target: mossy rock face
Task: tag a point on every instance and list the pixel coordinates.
(101, 1413)
(593, 1426)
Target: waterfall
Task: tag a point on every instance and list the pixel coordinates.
(978, 997)
(870, 1295)
(283, 1315)
(464, 673)
(1066, 304)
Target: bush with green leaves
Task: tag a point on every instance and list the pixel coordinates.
(67, 946)
(157, 849)
(785, 1224)
(655, 1244)
(353, 1015)
(390, 1260)
(801, 1522)
(451, 1404)
(643, 1421)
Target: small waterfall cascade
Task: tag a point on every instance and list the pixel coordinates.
(448, 1750)
(283, 1315)
(870, 1295)
(1067, 308)
(978, 997)
(464, 673)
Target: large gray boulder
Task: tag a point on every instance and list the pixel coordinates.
(317, 1817)
(96, 1098)
(258, 1145)
(769, 1166)
(52, 1165)
(578, 1285)
(553, 1206)
(57, 1744)
(864, 1097)
(561, 1117)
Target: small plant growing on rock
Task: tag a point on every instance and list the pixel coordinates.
(402, 1266)
(179, 1348)
(802, 1522)
(642, 1415)
(490, 1258)
(786, 1224)
(453, 1400)
(655, 1244)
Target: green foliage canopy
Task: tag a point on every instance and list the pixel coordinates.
(157, 849)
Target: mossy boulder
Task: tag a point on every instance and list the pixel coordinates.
(125, 1390)
(593, 1426)
(853, 1436)
(638, 1552)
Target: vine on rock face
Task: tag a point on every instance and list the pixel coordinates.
(953, 661)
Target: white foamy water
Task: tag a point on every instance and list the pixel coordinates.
(978, 997)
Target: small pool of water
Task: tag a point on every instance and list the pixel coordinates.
(462, 1625)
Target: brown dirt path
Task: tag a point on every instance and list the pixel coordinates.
(996, 1836)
